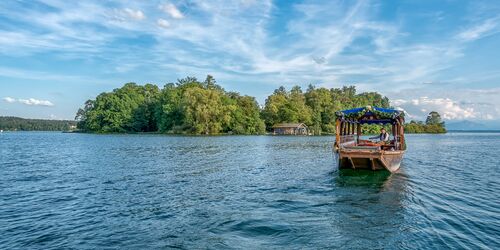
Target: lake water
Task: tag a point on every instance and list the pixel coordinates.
(253, 192)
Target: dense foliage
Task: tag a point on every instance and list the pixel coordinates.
(194, 107)
(21, 124)
(188, 106)
(434, 118)
(316, 107)
(431, 126)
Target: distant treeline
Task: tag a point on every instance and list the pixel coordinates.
(433, 125)
(421, 128)
(15, 123)
(193, 107)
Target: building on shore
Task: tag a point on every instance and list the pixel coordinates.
(290, 129)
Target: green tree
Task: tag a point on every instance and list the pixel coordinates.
(414, 127)
(169, 114)
(125, 109)
(433, 118)
(204, 111)
(321, 103)
(144, 117)
(245, 117)
(274, 103)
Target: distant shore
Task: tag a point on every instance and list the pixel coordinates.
(475, 131)
(226, 134)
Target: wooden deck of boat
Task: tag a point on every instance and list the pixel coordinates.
(373, 159)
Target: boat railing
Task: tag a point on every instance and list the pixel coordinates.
(397, 142)
(347, 140)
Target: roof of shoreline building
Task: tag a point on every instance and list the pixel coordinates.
(289, 125)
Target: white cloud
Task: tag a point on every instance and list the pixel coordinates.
(9, 99)
(30, 101)
(459, 102)
(173, 11)
(35, 102)
(449, 109)
(134, 14)
(163, 23)
(478, 31)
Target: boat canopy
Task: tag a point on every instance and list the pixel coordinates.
(370, 115)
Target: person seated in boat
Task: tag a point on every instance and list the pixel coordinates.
(383, 137)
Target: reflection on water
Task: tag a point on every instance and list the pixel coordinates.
(253, 192)
(370, 207)
(350, 177)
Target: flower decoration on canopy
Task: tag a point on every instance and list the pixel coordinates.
(379, 113)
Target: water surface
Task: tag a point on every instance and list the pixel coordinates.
(151, 191)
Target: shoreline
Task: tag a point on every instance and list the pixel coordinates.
(228, 134)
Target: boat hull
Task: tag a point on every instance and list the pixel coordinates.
(370, 159)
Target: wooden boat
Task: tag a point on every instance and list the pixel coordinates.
(355, 153)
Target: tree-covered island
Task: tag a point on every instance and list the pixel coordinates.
(193, 107)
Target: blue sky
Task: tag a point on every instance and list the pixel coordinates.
(423, 55)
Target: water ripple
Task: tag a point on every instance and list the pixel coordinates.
(245, 192)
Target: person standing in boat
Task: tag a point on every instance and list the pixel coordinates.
(383, 137)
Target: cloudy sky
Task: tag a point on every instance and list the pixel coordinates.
(423, 55)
